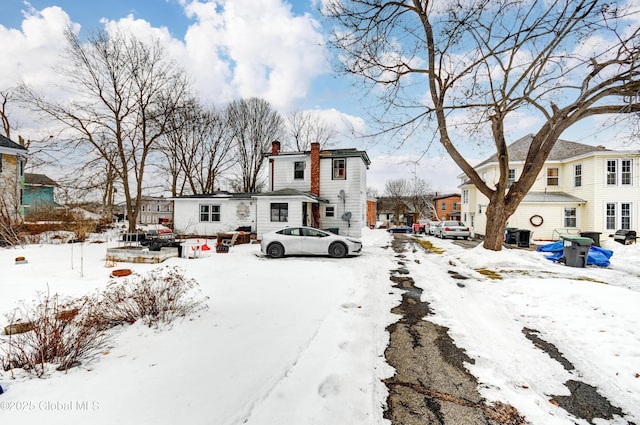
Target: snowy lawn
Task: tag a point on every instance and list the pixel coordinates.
(301, 340)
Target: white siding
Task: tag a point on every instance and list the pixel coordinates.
(355, 190)
(283, 173)
(263, 213)
(187, 215)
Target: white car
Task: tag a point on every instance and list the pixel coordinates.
(452, 229)
(308, 241)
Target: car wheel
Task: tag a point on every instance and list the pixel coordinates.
(337, 250)
(275, 250)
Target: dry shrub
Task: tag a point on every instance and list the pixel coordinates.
(68, 332)
(63, 332)
(158, 297)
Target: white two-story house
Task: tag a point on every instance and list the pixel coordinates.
(320, 188)
(581, 188)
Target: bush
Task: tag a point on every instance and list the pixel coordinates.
(161, 296)
(61, 332)
(68, 332)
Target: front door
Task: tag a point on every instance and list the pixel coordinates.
(305, 214)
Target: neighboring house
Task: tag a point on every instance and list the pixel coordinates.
(155, 210)
(581, 188)
(386, 211)
(447, 206)
(12, 160)
(319, 188)
(38, 197)
(372, 212)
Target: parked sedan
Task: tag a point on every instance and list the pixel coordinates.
(452, 229)
(308, 241)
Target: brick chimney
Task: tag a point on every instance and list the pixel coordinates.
(315, 168)
(275, 147)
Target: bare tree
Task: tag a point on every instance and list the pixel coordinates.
(254, 125)
(305, 127)
(123, 92)
(5, 97)
(197, 149)
(440, 63)
(421, 198)
(397, 193)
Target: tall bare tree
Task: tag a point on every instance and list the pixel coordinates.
(254, 125)
(197, 149)
(397, 193)
(122, 93)
(5, 97)
(439, 63)
(305, 127)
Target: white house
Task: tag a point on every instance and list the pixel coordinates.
(319, 188)
(581, 188)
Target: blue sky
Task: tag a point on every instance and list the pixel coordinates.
(278, 52)
(272, 49)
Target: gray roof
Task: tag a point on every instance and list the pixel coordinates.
(7, 143)
(221, 194)
(32, 179)
(561, 150)
(293, 192)
(544, 197)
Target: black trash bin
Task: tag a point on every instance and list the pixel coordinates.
(511, 235)
(576, 250)
(523, 237)
(592, 235)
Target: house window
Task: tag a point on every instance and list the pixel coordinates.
(465, 196)
(570, 217)
(167, 208)
(158, 207)
(329, 211)
(512, 177)
(455, 206)
(553, 176)
(209, 213)
(618, 215)
(443, 206)
(612, 175)
(298, 170)
(625, 215)
(577, 175)
(625, 172)
(279, 212)
(339, 169)
(610, 217)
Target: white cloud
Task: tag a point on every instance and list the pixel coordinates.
(244, 48)
(29, 53)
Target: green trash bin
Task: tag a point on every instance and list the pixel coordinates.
(576, 250)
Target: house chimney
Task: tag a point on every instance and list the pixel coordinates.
(275, 147)
(315, 168)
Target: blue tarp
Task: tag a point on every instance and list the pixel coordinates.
(596, 256)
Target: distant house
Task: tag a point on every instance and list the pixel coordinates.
(319, 188)
(12, 160)
(581, 188)
(155, 210)
(447, 206)
(388, 207)
(38, 199)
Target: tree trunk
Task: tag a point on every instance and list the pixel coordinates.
(497, 217)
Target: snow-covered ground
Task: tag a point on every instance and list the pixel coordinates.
(301, 340)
